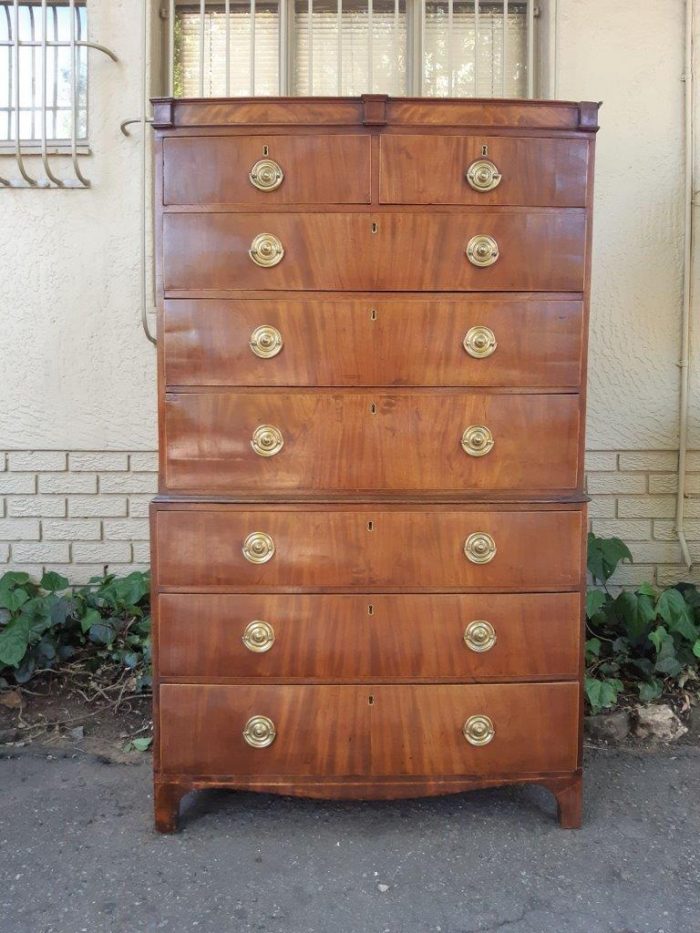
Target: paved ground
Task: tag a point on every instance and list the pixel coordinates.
(78, 856)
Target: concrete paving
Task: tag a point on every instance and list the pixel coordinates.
(78, 855)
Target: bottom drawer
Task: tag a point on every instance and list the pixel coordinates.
(432, 730)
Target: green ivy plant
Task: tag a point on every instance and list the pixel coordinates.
(48, 623)
(644, 642)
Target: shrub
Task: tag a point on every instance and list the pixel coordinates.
(642, 643)
(106, 623)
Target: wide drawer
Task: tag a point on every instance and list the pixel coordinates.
(309, 548)
(474, 341)
(201, 730)
(538, 250)
(420, 730)
(406, 637)
(341, 441)
(380, 730)
(505, 170)
(217, 169)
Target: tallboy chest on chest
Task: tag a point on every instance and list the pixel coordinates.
(368, 543)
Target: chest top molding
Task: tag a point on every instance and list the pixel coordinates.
(376, 110)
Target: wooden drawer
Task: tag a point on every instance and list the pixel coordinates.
(375, 341)
(201, 730)
(539, 250)
(349, 440)
(420, 548)
(216, 170)
(379, 731)
(367, 637)
(418, 729)
(536, 172)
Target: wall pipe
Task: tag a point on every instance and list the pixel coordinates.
(688, 196)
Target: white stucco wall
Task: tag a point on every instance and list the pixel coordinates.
(78, 373)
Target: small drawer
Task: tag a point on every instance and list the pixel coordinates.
(302, 548)
(474, 341)
(348, 441)
(483, 170)
(531, 636)
(262, 171)
(509, 250)
(489, 729)
(263, 730)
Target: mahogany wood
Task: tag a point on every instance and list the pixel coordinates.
(374, 341)
(370, 636)
(375, 548)
(540, 250)
(350, 440)
(432, 170)
(371, 499)
(215, 170)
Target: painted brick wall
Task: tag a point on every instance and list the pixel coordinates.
(82, 513)
(86, 512)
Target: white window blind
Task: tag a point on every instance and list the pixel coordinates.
(437, 48)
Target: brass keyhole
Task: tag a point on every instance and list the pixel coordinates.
(484, 150)
(375, 227)
(370, 699)
(266, 150)
(370, 610)
(373, 314)
(373, 409)
(370, 526)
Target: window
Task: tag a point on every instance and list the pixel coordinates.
(435, 48)
(43, 72)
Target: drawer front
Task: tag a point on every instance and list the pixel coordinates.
(373, 547)
(537, 251)
(202, 726)
(330, 441)
(479, 341)
(535, 172)
(419, 729)
(409, 637)
(314, 170)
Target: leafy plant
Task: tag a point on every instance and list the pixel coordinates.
(646, 641)
(48, 623)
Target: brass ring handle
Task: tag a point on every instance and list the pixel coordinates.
(259, 731)
(266, 250)
(477, 440)
(478, 730)
(266, 175)
(483, 175)
(258, 636)
(480, 636)
(267, 440)
(480, 548)
(266, 341)
(480, 342)
(258, 548)
(482, 250)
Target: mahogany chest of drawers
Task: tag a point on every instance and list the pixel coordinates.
(369, 538)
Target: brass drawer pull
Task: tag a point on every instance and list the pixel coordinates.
(480, 548)
(480, 342)
(478, 730)
(483, 175)
(477, 440)
(266, 341)
(482, 250)
(267, 440)
(259, 731)
(258, 636)
(480, 636)
(258, 548)
(266, 175)
(266, 250)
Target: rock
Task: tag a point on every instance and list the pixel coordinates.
(608, 727)
(77, 733)
(383, 888)
(657, 722)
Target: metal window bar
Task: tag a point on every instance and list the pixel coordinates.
(39, 55)
(452, 47)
